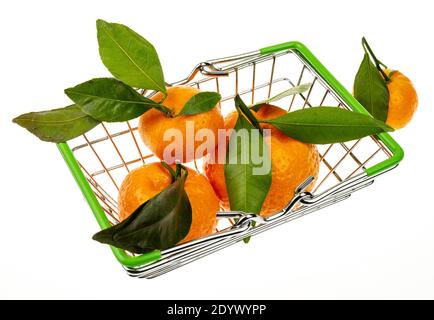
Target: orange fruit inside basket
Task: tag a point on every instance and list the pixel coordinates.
(402, 100)
(153, 124)
(291, 163)
(145, 182)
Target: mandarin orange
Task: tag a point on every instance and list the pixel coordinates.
(153, 125)
(291, 163)
(145, 182)
(402, 100)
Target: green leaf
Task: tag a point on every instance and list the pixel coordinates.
(160, 223)
(199, 103)
(58, 125)
(242, 108)
(295, 90)
(129, 56)
(323, 125)
(246, 188)
(370, 89)
(110, 100)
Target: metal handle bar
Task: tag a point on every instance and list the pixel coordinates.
(183, 254)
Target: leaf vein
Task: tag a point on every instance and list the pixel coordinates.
(132, 61)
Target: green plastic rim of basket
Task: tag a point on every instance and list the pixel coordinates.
(129, 261)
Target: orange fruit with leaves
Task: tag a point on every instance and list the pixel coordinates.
(145, 182)
(387, 94)
(292, 162)
(154, 125)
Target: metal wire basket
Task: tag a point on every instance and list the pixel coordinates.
(101, 158)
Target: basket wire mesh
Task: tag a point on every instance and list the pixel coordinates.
(108, 152)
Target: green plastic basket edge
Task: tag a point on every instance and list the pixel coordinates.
(136, 261)
(98, 212)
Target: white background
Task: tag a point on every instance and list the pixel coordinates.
(377, 244)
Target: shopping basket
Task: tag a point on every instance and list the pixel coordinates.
(100, 159)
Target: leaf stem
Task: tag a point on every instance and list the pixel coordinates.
(177, 173)
(165, 110)
(378, 63)
(164, 97)
(178, 169)
(244, 110)
(170, 169)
